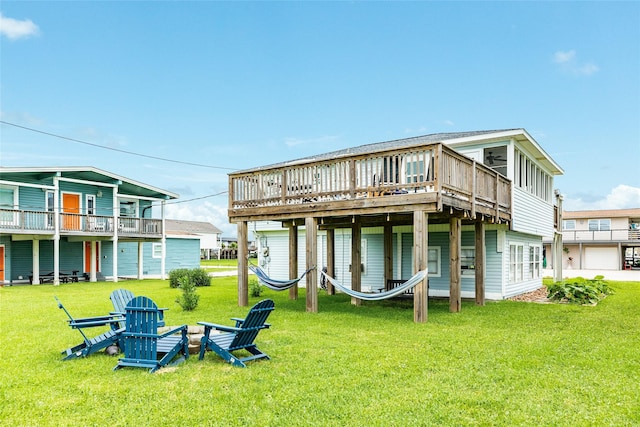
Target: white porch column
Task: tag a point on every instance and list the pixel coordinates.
(140, 260)
(93, 272)
(35, 261)
(56, 236)
(116, 227)
(163, 260)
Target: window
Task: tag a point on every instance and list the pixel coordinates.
(599, 224)
(8, 198)
(128, 208)
(433, 261)
(531, 178)
(515, 263)
(569, 224)
(91, 204)
(468, 260)
(157, 250)
(534, 262)
(49, 202)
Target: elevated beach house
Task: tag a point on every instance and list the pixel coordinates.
(471, 207)
(61, 224)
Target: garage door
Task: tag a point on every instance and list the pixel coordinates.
(601, 259)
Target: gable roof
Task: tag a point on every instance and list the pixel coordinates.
(126, 186)
(449, 138)
(190, 227)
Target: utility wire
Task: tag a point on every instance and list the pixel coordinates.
(114, 149)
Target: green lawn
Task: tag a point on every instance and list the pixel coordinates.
(507, 363)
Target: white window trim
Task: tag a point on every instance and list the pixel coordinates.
(567, 222)
(154, 250)
(513, 266)
(438, 261)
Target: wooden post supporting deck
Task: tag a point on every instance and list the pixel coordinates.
(243, 269)
(480, 264)
(455, 299)
(293, 260)
(331, 259)
(388, 254)
(420, 251)
(311, 231)
(356, 258)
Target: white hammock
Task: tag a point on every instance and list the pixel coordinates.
(275, 284)
(413, 281)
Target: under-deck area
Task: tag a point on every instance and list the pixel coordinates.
(415, 185)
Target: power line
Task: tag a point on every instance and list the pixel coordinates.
(114, 149)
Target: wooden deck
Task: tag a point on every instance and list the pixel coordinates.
(432, 178)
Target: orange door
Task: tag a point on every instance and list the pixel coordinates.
(71, 209)
(1, 263)
(87, 257)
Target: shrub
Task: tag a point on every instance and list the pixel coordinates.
(256, 289)
(176, 275)
(189, 299)
(579, 290)
(198, 276)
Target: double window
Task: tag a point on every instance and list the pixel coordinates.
(599, 225)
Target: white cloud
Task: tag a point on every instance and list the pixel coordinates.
(561, 57)
(620, 197)
(15, 29)
(568, 62)
(449, 123)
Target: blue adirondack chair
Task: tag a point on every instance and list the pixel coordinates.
(121, 297)
(92, 345)
(240, 337)
(141, 344)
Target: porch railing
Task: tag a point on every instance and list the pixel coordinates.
(430, 168)
(614, 235)
(30, 221)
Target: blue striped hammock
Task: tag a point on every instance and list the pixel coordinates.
(275, 284)
(412, 282)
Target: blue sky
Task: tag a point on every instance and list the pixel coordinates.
(234, 85)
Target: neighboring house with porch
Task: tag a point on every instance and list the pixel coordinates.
(600, 239)
(61, 223)
(472, 207)
(209, 235)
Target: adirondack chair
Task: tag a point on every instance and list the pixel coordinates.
(92, 345)
(143, 347)
(240, 337)
(121, 297)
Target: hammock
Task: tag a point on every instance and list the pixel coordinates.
(419, 277)
(276, 285)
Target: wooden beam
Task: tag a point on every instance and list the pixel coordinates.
(455, 300)
(243, 269)
(311, 231)
(293, 260)
(356, 258)
(420, 251)
(480, 262)
(331, 260)
(388, 253)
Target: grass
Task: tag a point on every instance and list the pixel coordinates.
(507, 363)
(216, 263)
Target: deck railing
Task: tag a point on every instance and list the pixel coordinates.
(30, 221)
(615, 235)
(432, 168)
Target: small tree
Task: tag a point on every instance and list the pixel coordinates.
(189, 299)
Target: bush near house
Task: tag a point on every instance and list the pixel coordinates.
(579, 290)
(198, 276)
